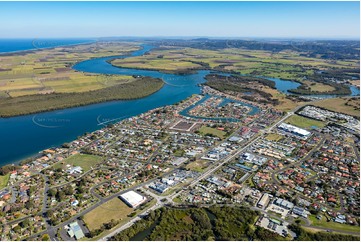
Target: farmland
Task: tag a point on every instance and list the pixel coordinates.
(43, 80)
(138, 88)
(49, 70)
(285, 64)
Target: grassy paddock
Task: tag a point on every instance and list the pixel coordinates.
(207, 130)
(339, 105)
(303, 122)
(274, 137)
(4, 180)
(332, 225)
(198, 165)
(113, 209)
(82, 160)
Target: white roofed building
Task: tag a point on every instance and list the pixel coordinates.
(132, 199)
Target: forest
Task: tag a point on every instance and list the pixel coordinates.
(242, 84)
(214, 223)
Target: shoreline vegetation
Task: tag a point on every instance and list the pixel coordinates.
(175, 72)
(23, 105)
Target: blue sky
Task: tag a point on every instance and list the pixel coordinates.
(216, 19)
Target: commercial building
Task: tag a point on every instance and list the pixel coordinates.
(132, 199)
(300, 212)
(294, 130)
(284, 203)
(74, 231)
(264, 200)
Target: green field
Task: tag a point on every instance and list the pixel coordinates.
(198, 165)
(274, 137)
(284, 64)
(332, 225)
(4, 180)
(207, 130)
(344, 105)
(154, 63)
(304, 122)
(113, 209)
(43, 80)
(82, 160)
(49, 70)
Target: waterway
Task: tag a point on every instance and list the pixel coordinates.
(24, 136)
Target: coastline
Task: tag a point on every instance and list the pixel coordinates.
(27, 51)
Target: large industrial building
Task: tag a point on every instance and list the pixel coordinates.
(294, 130)
(263, 202)
(132, 199)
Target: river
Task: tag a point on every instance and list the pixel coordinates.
(25, 136)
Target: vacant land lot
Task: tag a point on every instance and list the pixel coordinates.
(113, 209)
(274, 137)
(212, 131)
(4, 180)
(303, 122)
(350, 106)
(198, 165)
(332, 225)
(82, 160)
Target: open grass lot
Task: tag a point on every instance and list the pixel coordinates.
(198, 165)
(350, 106)
(82, 160)
(332, 225)
(274, 137)
(207, 130)
(285, 104)
(113, 209)
(303, 122)
(4, 180)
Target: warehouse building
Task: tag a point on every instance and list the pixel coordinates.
(132, 199)
(263, 202)
(294, 130)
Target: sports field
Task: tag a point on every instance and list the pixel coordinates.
(82, 160)
(304, 122)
